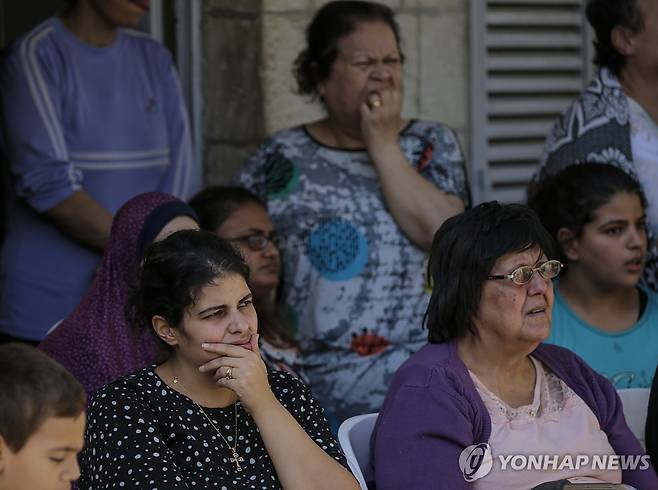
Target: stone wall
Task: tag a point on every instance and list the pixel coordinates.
(233, 110)
(249, 88)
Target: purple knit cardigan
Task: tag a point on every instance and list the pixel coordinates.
(432, 412)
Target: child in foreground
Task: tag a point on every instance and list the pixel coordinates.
(42, 421)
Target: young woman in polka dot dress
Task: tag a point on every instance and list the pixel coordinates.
(212, 415)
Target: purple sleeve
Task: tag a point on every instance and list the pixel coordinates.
(32, 119)
(179, 178)
(420, 433)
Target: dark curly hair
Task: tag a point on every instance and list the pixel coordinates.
(332, 22)
(570, 198)
(174, 271)
(604, 16)
(463, 252)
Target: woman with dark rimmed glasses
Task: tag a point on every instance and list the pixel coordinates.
(239, 217)
(485, 386)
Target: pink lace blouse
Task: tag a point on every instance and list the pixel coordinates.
(558, 426)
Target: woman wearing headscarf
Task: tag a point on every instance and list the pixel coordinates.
(96, 342)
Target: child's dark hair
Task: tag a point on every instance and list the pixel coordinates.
(214, 205)
(33, 388)
(174, 271)
(570, 198)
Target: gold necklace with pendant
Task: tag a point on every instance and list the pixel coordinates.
(235, 457)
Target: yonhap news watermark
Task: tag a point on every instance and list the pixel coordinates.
(545, 462)
(476, 462)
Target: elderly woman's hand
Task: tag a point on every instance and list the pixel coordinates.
(380, 118)
(242, 371)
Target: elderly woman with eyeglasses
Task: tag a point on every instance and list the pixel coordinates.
(485, 389)
(239, 217)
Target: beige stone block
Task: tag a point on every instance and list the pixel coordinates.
(391, 3)
(444, 69)
(439, 5)
(231, 78)
(222, 162)
(225, 6)
(286, 5)
(283, 39)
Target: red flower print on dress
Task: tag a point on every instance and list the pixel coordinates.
(368, 343)
(425, 157)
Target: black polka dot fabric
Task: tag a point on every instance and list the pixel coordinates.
(142, 434)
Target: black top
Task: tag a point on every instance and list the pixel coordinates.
(651, 436)
(142, 434)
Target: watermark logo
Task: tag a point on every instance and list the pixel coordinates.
(545, 462)
(475, 461)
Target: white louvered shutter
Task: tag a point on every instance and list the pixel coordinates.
(529, 60)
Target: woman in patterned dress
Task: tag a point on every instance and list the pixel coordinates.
(357, 196)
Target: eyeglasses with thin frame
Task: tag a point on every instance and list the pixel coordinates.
(257, 241)
(523, 275)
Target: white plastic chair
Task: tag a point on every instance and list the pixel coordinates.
(354, 439)
(636, 406)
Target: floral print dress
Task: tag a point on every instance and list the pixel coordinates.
(354, 280)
